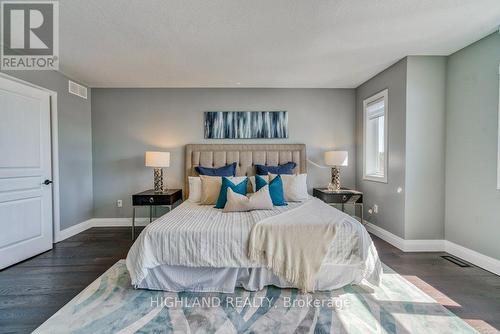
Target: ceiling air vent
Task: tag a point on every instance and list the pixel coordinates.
(77, 89)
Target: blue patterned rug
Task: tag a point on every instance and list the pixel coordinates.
(110, 305)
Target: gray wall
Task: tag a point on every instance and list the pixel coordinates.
(128, 122)
(391, 204)
(472, 200)
(416, 115)
(75, 146)
(425, 147)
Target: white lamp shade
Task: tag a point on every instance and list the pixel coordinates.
(157, 159)
(336, 158)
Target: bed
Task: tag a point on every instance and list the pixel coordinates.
(199, 248)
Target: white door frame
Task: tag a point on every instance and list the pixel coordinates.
(56, 223)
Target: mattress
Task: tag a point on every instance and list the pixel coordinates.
(204, 238)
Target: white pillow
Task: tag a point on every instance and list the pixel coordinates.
(194, 189)
(260, 200)
(210, 187)
(294, 187)
(252, 181)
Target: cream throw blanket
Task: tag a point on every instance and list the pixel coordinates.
(293, 244)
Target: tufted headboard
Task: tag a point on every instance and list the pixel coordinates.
(246, 155)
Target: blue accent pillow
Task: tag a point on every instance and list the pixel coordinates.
(228, 170)
(275, 189)
(280, 169)
(240, 188)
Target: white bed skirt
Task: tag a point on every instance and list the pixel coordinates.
(225, 280)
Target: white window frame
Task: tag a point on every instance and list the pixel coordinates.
(498, 145)
(385, 95)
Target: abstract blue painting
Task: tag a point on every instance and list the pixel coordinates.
(246, 124)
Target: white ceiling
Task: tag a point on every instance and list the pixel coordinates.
(259, 43)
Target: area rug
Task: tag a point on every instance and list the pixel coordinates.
(111, 305)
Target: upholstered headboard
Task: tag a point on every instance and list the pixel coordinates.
(246, 155)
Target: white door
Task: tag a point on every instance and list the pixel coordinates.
(25, 164)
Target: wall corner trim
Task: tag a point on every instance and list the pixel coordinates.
(480, 260)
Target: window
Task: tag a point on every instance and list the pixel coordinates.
(498, 147)
(375, 137)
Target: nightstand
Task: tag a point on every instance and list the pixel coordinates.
(343, 196)
(153, 199)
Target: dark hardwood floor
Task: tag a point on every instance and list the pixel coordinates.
(471, 293)
(31, 291)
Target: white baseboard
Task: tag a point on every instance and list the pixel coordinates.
(406, 245)
(429, 245)
(469, 255)
(385, 235)
(98, 222)
(73, 230)
(117, 222)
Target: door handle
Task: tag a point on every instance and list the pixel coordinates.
(47, 182)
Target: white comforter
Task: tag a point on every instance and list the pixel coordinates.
(195, 235)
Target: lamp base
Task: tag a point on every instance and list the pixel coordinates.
(334, 184)
(158, 180)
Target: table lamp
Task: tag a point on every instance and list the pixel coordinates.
(335, 159)
(158, 160)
